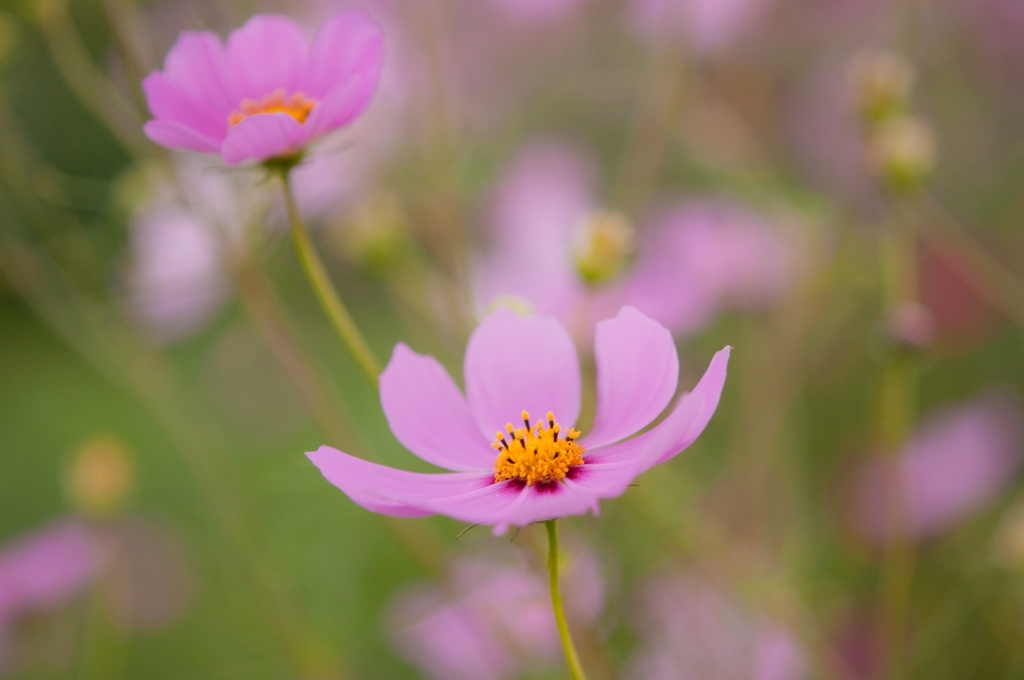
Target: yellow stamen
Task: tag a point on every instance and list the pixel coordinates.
(298, 106)
(536, 454)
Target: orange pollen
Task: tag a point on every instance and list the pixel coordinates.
(298, 106)
(536, 454)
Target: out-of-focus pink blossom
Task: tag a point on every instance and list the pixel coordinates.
(690, 630)
(705, 26)
(696, 257)
(265, 93)
(469, 631)
(176, 276)
(45, 568)
(955, 463)
(41, 571)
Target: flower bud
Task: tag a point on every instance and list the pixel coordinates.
(99, 475)
(882, 82)
(902, 152)
(374, 232)
(604, 244)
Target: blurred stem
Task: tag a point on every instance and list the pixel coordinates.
(90, 84)
(330, 416)
(571, 657)
(896, 406)
(324, 289)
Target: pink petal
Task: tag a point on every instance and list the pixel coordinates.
(429, 415)
(349, 44)
(340, 107)
(266, 54)
(637, 373)
(197, 66)
(382, 489)
(193, 88)
(178, 136)
(465, 496)
(515, 363)
(262, 136)
(169, 104)
(680, 428)
(45, 569)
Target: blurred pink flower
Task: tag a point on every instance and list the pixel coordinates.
(516, 366)
(264, 94)
(689, 629)
(40, 571)
(467, 631)
(705, 26)
(176, 279)
(45, 568)
(955, 463)
(696, 257)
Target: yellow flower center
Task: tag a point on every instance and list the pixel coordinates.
(536, 454)
(297, 106)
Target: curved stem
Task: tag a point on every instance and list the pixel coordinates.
(324, 289)
(571, 657)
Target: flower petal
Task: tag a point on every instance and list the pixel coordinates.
(193, 88)
(429, 415)
(515, 363)
(168, 103)
(637, 374)
(400, 493)
(350, 43)
(266, 54)
(178, 136)
(679, 429)
(339, 107)
(262, 136)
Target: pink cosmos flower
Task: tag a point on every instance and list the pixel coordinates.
(467, 631)
(955, 463)
(264, 94)
(516, 369)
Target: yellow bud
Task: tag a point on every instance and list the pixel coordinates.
(902, 152)
(99, 475)
(882, 83)
(604, 244)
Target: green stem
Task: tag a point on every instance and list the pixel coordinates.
(571, 657)
(324, 289)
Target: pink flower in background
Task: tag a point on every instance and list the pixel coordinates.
(177, 279)
(690, 630)
(695, 258)
(264, 94)
(957, 461)
(467, 631)
(524, 369)
(45, 569)
(40, 571)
